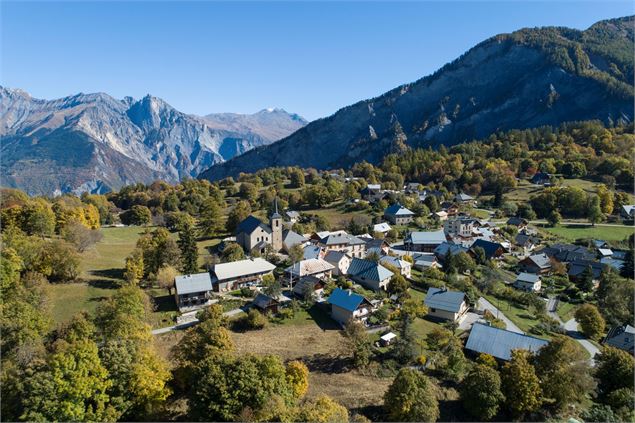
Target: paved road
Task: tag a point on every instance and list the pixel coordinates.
(483, 304)
(193, 322)
(571, 326)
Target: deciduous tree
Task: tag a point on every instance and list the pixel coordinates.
(411, 398)
(481, 392)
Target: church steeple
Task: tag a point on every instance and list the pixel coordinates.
(275, 220)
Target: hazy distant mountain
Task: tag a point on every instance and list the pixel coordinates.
(532, 77)
(93, 142)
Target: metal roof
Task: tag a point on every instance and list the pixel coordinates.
(348, 300)
(447, 247)
(500, 342)
(240, 268)
(444, 299)
(527, 277)
(398, 210)
(540, 260)
(340, 238)
(394, 261)
(433, 237)
(334, 257)
(311, 251)
(381, 227)
(463, 197)
(291, 238)
(368, 269)
(189, 284)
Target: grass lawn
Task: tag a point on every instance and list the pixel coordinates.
(336, 215)
(520, 316)
(565, 310)
(607, 233)
(314, 315)
(422, 327)
(70, 298)
(165, 308)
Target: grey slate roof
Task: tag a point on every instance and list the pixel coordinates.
(527, 277)
(341, 238)
(500, 342)
(463, 197)
(432, 237)
(578, 267)
(334, 257)
(291, 238)
(311, 251)
(489, 247)
(447, 247)
(250, 224)
(541, 260)
(443, 299)
(263, 301)
(189, 284)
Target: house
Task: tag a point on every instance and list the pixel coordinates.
(499, 343)
(449, 207)
(404, 267)
(292, 216)
(252, 234)
(622, 337)
(309, 284)
(387, 339)
(238, 274)
(577, 268)
(566, 253)
(424, 242)
(340, 262)
(446, 305)
(426, 261)
(536, 263)
(370, 274)
(518, 222)
(459, 226)
(526, 242)
(372, 192)
(192, 291)
(377, 246)
(312, 251)
(347, 305)
(290, 239)
(316, 267)
(492, 249)
(604, 253)
(342, 241)
(529, 282)
(382, 228)
(463, 198)
(266, 304)
(398, 214)
(599, 243)
(541, 178)
(445, 248)
(441, 215)
(412, 187)
(628, 211)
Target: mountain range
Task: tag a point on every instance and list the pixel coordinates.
(529, 78)
(96, 143)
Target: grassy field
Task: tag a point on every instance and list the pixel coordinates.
(71, 298)
(565, 310)
(105, 261)
(607, 233)
(520, 316)
(336, 215)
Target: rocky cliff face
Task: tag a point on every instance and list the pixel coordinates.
(93, 142)
(526, 79)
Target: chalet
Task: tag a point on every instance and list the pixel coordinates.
(387, 339)
(518, 222)
(193, 291)
(448, 248)
(604, 252)
(441, 215)
(526, 242)
(499, 343)
(446, 305)
(600, 243)
(316, 267)
(424, 241)
(622, 337)
(577, 268)
(541, 178)
(372, 192)
(266, 304)
(463, 198)
(340, 262)
(404, 267)
(529, 282)
(310, 284)
(347, 305)
(449, 207)
(252, 234)
(460, 226)
(566, 253)
(628, 211)
(377, 246)
(238, 274)
(536, 263)
(369, 274)
(292, 216)
(382, 228)
(426, 261)
(492, 249)
(290, 239)
(398, 214)
(342, 241)
(412, 187)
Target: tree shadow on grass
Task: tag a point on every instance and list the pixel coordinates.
(104, 284)
(109, 273)
(326, 363)
(164, 303)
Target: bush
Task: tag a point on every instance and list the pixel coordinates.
(253, 320)
(246, 292)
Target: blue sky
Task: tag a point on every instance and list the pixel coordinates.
(307, 57)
